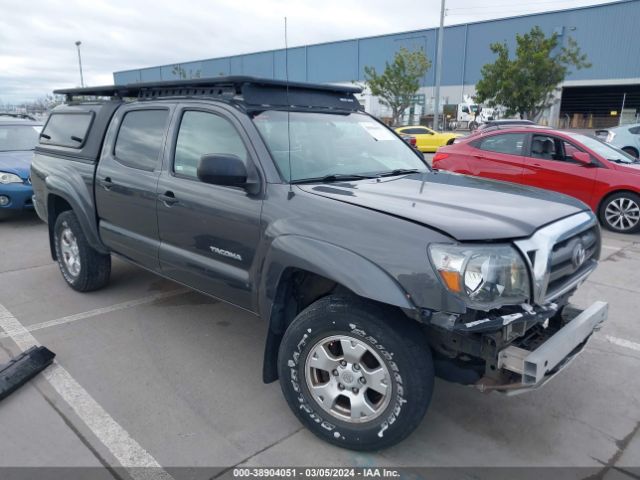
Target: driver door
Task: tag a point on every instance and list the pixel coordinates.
(208, 233)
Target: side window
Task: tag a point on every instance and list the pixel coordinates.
(569, 149)
(66, 129)
(545, 147)
(635, 130)
(416, 131)
(509, 143)
(204, 133)
(140, 138)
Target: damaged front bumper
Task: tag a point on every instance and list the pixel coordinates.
(530, 369)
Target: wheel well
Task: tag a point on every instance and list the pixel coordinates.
(609, 195)
(55, 206)
(297, 289)
(634, 149)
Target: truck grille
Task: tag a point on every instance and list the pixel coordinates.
(567, 262)
(561, 255)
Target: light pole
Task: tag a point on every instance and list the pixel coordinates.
(78, 43)
(436, 112)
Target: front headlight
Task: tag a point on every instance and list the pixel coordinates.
(610, 137)
(9, 178)
(485, 277)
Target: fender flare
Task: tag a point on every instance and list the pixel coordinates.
(349, 269)
(82, 204)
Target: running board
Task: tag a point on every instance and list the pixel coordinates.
(23, 368)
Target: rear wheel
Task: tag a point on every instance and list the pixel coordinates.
(621, 212)
(356, 374)
(631, 151)
(82, 267)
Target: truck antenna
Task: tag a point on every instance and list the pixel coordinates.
(286, 73)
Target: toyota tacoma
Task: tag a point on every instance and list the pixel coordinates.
(373, 272)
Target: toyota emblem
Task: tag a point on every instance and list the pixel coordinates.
(579, 255)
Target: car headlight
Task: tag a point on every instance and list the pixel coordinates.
(10, 178)
(485, 277)
(610, 137)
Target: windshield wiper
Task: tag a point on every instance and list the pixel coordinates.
(334, 177)
(622, 162)
(398, 171)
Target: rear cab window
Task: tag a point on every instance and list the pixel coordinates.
(66, 129)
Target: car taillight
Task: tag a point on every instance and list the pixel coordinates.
(440, 156)
(412, 141)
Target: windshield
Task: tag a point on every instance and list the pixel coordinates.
(603, 149)
(18, 137)
(333, 145)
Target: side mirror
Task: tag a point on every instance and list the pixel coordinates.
(582, 157)
(226, 170)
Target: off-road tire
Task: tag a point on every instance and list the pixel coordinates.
(95, 267)
(398, 341)
(620, 200)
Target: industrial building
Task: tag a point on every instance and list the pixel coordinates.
(589, 98)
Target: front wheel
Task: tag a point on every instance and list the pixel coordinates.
(358, 375)
(621, 212)
(82, 267)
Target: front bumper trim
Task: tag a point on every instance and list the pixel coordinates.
(534, 367)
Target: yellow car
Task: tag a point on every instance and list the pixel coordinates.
(427, 140)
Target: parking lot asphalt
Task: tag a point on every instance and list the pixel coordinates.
(151, 374)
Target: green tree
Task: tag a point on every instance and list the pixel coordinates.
(399, 82)
(526, 84)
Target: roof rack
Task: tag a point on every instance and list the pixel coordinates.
(18, 115)
(250, 93)
(195, 86)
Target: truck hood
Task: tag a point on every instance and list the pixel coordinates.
(18, 162)
(464, 207)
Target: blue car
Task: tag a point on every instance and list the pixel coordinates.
(18, 136)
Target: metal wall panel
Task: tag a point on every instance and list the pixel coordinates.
(216, 67)
(297, 61)
(333, 62)
(606, 33)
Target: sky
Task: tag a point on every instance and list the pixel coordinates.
(37, 37)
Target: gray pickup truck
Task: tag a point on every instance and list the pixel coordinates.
(373, 272)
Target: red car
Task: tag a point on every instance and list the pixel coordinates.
(605, 178)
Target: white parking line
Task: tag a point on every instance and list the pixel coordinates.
(138, 462)
(624, 343)
(101, 311)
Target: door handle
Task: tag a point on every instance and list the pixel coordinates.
(168, 198)
(107, 183)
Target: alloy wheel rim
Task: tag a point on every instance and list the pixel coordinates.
(622, 213)
(70, 251)
(348, 379)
